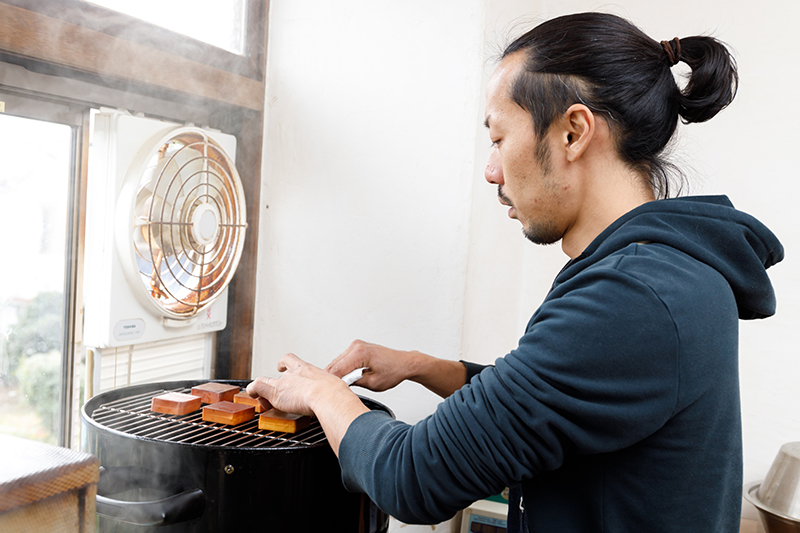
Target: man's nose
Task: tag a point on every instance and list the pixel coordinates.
(494, 170)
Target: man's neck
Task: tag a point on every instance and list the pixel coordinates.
(610, 195)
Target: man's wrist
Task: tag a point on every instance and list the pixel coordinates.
(325, 393)
(417, 364)
(336, 408)
(441, 376)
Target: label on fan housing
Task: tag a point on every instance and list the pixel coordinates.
(210, 321)
(126, 330)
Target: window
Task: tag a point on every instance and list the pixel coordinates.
(36, 200)
(220, 23)
(115, 61)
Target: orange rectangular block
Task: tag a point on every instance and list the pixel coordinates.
(175, 403)
(245, 399)
(228, 413)
(215, 392)
(274, 420)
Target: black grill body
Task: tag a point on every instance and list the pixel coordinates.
(179, 473)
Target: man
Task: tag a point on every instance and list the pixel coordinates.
(619, 410)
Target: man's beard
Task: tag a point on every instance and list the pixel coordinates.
(545, 233)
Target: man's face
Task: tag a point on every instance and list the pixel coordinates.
(520, 166)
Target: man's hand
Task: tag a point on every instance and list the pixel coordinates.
(298, 388)
(306, 389)
(386, 368)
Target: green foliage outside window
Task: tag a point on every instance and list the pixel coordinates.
(30, 360)
(38, 330)
(39, 379)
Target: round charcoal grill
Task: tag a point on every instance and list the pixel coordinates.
(180, 473)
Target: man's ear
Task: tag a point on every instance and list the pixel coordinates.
(579, 129)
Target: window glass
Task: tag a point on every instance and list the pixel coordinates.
(34, 198)
(220, 23)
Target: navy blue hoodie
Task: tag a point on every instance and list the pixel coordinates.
(619, 410)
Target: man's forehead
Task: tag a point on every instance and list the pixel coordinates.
(497, 89)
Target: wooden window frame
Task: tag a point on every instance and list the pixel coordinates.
(121, 26)
(75, 39)
(76, 52)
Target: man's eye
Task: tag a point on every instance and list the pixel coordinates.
(495, 143)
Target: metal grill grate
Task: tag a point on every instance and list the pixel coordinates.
(132, 415)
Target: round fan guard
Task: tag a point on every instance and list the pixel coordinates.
(182, 234)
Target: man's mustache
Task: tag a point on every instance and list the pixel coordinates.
(505, 200)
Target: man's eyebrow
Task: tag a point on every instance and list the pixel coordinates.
(486, 121)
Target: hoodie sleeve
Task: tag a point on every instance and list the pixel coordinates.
(595, 371)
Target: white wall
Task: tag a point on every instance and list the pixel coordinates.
(369, 107)
(379, 224)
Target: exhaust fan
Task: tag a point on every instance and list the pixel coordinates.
(165, 230)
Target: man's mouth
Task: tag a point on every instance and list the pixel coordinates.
(505, 200)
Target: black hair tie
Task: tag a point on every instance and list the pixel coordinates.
(673, 50)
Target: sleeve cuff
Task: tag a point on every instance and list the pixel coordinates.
(473, 369)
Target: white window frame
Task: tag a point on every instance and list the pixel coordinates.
(38, 107)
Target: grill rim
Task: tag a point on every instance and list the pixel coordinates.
(89, 407)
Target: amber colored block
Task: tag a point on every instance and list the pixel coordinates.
(215, 392)
(245, 399)
(274, 420)
(228, 413)
(175, 403)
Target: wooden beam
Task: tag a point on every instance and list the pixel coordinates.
(32, 36)
(235, 342)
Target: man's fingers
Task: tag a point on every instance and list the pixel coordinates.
(346, 353)
(355, 356)
(265, 405)
(258, 387)
(336, 369)
(289, 362)
(333, 364)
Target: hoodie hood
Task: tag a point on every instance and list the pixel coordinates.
(708, 229)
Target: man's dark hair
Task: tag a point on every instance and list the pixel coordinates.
(608, 64)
